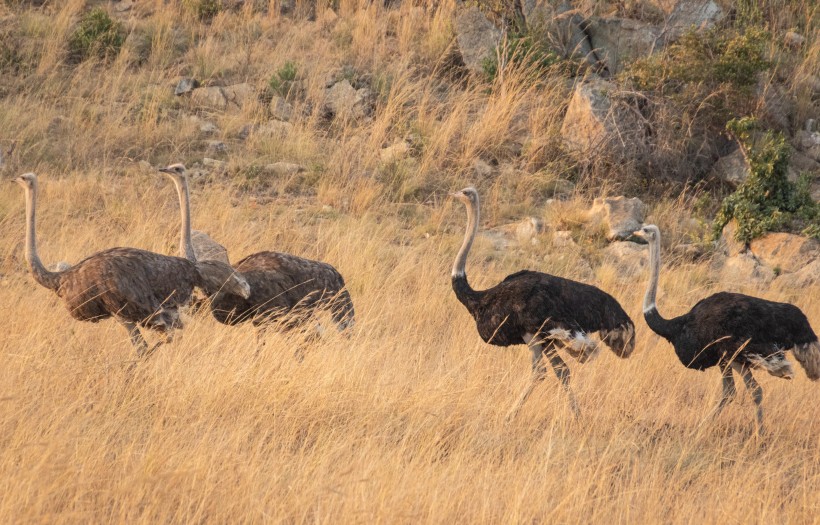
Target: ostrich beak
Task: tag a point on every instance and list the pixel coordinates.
(639, 234)
(165, 170)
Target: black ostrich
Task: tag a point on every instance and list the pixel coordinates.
(735, 332)
(136, 287)
(542, 311)
(282, 286)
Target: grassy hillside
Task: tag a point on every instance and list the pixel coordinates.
(403, 421)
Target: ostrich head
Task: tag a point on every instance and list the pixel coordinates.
(469, 196)
(650, 232)
(27, 180)
(175, 171)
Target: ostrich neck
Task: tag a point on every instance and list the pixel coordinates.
(186, 247)
(44, 277)
(655, 270)
(469, 236)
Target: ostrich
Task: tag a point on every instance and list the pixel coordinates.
(280, 283)
(543, 311)
(136, 287)
(735, 332)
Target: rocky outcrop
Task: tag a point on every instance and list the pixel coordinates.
(283, 169)
(785, 252)
(222, 98)
(618, 41)
(619, 215)
(691, 14)
(742, 270)
(731, 168)
(343, 100)
(280, 109)
(476, 36)
(599, 120)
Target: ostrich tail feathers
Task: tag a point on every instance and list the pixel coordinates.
(808, 355)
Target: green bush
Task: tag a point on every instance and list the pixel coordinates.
(96, 35)
(282, 81)
(767, 200)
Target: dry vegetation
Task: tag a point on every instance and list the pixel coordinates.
(403, 421)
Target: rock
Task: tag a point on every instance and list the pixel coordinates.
(742, 270)
(280, 109)
(186, 85)
(563, 239)
(396, 152)
(631, 259)
(123, 6)
(802, 163)
(528, 230)
(793, 40)
(599, 121)
(284, 169)
(618, 41)
(207, 249)
(731, 168)
(688, 14)
(239, 94)
(216, 146)
(807, 276)
(208, 128)
(275, 128)
(476, 36)
(563, 25)
(620, 215)
(568, 32)
(785, 251)
(482, 169)
(342, 99)
(209, 98)
(809, 143)
(727, 242)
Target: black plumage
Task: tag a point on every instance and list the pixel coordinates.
(541, 310)
(283, 287)
(136, 287)
(734, 332)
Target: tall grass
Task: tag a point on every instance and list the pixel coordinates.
(404, 420)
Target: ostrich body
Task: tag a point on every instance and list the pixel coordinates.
(136, 287)
(734, 332)
(280, 284)
(542, 311)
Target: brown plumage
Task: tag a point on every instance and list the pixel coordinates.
(282, 286)
(136, 287)
(542, 311)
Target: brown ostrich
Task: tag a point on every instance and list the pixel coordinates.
(281, 284)
(136, 287)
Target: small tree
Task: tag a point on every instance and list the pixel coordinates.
(767, 200)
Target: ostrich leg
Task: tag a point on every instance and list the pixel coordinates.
(539, 370)
(136, 337)
(755, 390)
(728, 390)
(562, 371)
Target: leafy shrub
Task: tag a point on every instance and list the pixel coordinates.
(96, 35)
(282, 81)
(767, 200)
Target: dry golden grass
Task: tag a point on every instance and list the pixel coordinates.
(403, 421)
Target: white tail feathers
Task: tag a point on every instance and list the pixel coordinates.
(808, 355)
